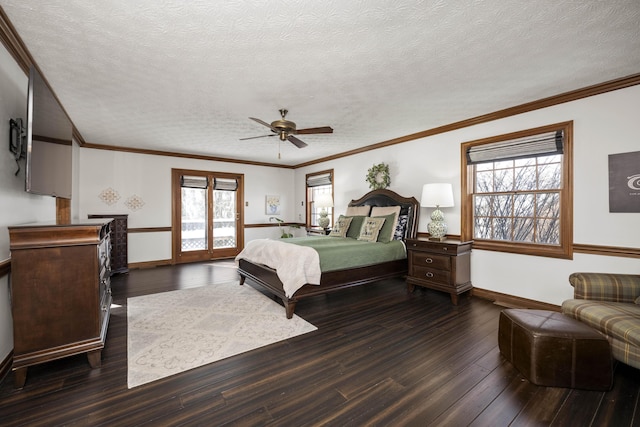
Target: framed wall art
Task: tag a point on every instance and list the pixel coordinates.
(624, 182)
(272, 205)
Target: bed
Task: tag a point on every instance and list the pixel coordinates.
(335, 280)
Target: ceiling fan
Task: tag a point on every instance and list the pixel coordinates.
(286, 130)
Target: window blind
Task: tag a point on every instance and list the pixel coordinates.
(534, 145)
(194, 182)
(318, 180)
(225, 184)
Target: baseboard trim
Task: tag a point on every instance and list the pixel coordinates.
(149, 264)
(5, 366)
(511, 301)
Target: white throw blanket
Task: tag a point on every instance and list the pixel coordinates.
(295, 265)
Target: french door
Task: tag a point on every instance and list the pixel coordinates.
(207, 220)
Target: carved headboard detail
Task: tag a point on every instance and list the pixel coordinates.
(408, 206)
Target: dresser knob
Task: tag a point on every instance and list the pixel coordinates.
(445, 248)
(429, 274)
(428, 260)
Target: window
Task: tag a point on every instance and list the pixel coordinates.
(318, 183)
(517, 192)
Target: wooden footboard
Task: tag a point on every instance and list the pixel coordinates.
(331, 281)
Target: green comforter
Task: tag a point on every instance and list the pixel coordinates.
(337, 253)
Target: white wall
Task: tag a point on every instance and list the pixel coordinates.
(433, 159)
(604, 124)
(17, 206)
(149, 178)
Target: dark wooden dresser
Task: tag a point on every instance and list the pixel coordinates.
(443, 266)
(60, 292)
(119, 242)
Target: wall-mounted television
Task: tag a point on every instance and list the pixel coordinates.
(49, 142)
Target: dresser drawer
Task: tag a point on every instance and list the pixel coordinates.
(432, 261)
(432, 275)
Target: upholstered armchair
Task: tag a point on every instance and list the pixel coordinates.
(609, 303)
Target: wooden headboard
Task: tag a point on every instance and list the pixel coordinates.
(408, 206)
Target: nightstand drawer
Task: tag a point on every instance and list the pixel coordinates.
(432, 261)
(437, 247)
(431, 274)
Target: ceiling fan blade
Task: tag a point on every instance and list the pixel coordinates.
(262, 122)
(295, 141)
(254, 137)
(323, 129)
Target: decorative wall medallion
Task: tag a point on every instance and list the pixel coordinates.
(134, 203)
(378, 176)
(109, 196)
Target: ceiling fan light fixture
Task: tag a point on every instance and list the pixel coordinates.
(286, 130)
(284, 125)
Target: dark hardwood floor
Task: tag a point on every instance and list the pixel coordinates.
(380, 357)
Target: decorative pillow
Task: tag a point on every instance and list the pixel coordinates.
(386, 210)
(370, 229)
(356, 225)
(386, 232)
(638, 300)
(401, 227)
(341, 226)
(358, 210)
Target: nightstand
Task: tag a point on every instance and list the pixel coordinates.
(443, 266)
(318, 231)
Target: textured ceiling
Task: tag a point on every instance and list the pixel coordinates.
(185, 76)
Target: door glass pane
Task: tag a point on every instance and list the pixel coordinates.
(224, 219)
(194, 219)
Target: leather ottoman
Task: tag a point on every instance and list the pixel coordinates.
(551, 349)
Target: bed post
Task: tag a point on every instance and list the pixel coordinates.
(290, 306)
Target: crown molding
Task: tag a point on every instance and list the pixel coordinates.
(18, 50)
(562, 98)
(14, 44)
(184, 155)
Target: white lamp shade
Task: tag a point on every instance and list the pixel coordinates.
(439, 194)
(323, 200)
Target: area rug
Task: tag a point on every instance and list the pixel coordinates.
(172, 332)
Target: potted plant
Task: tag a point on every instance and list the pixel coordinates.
(284, 233)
